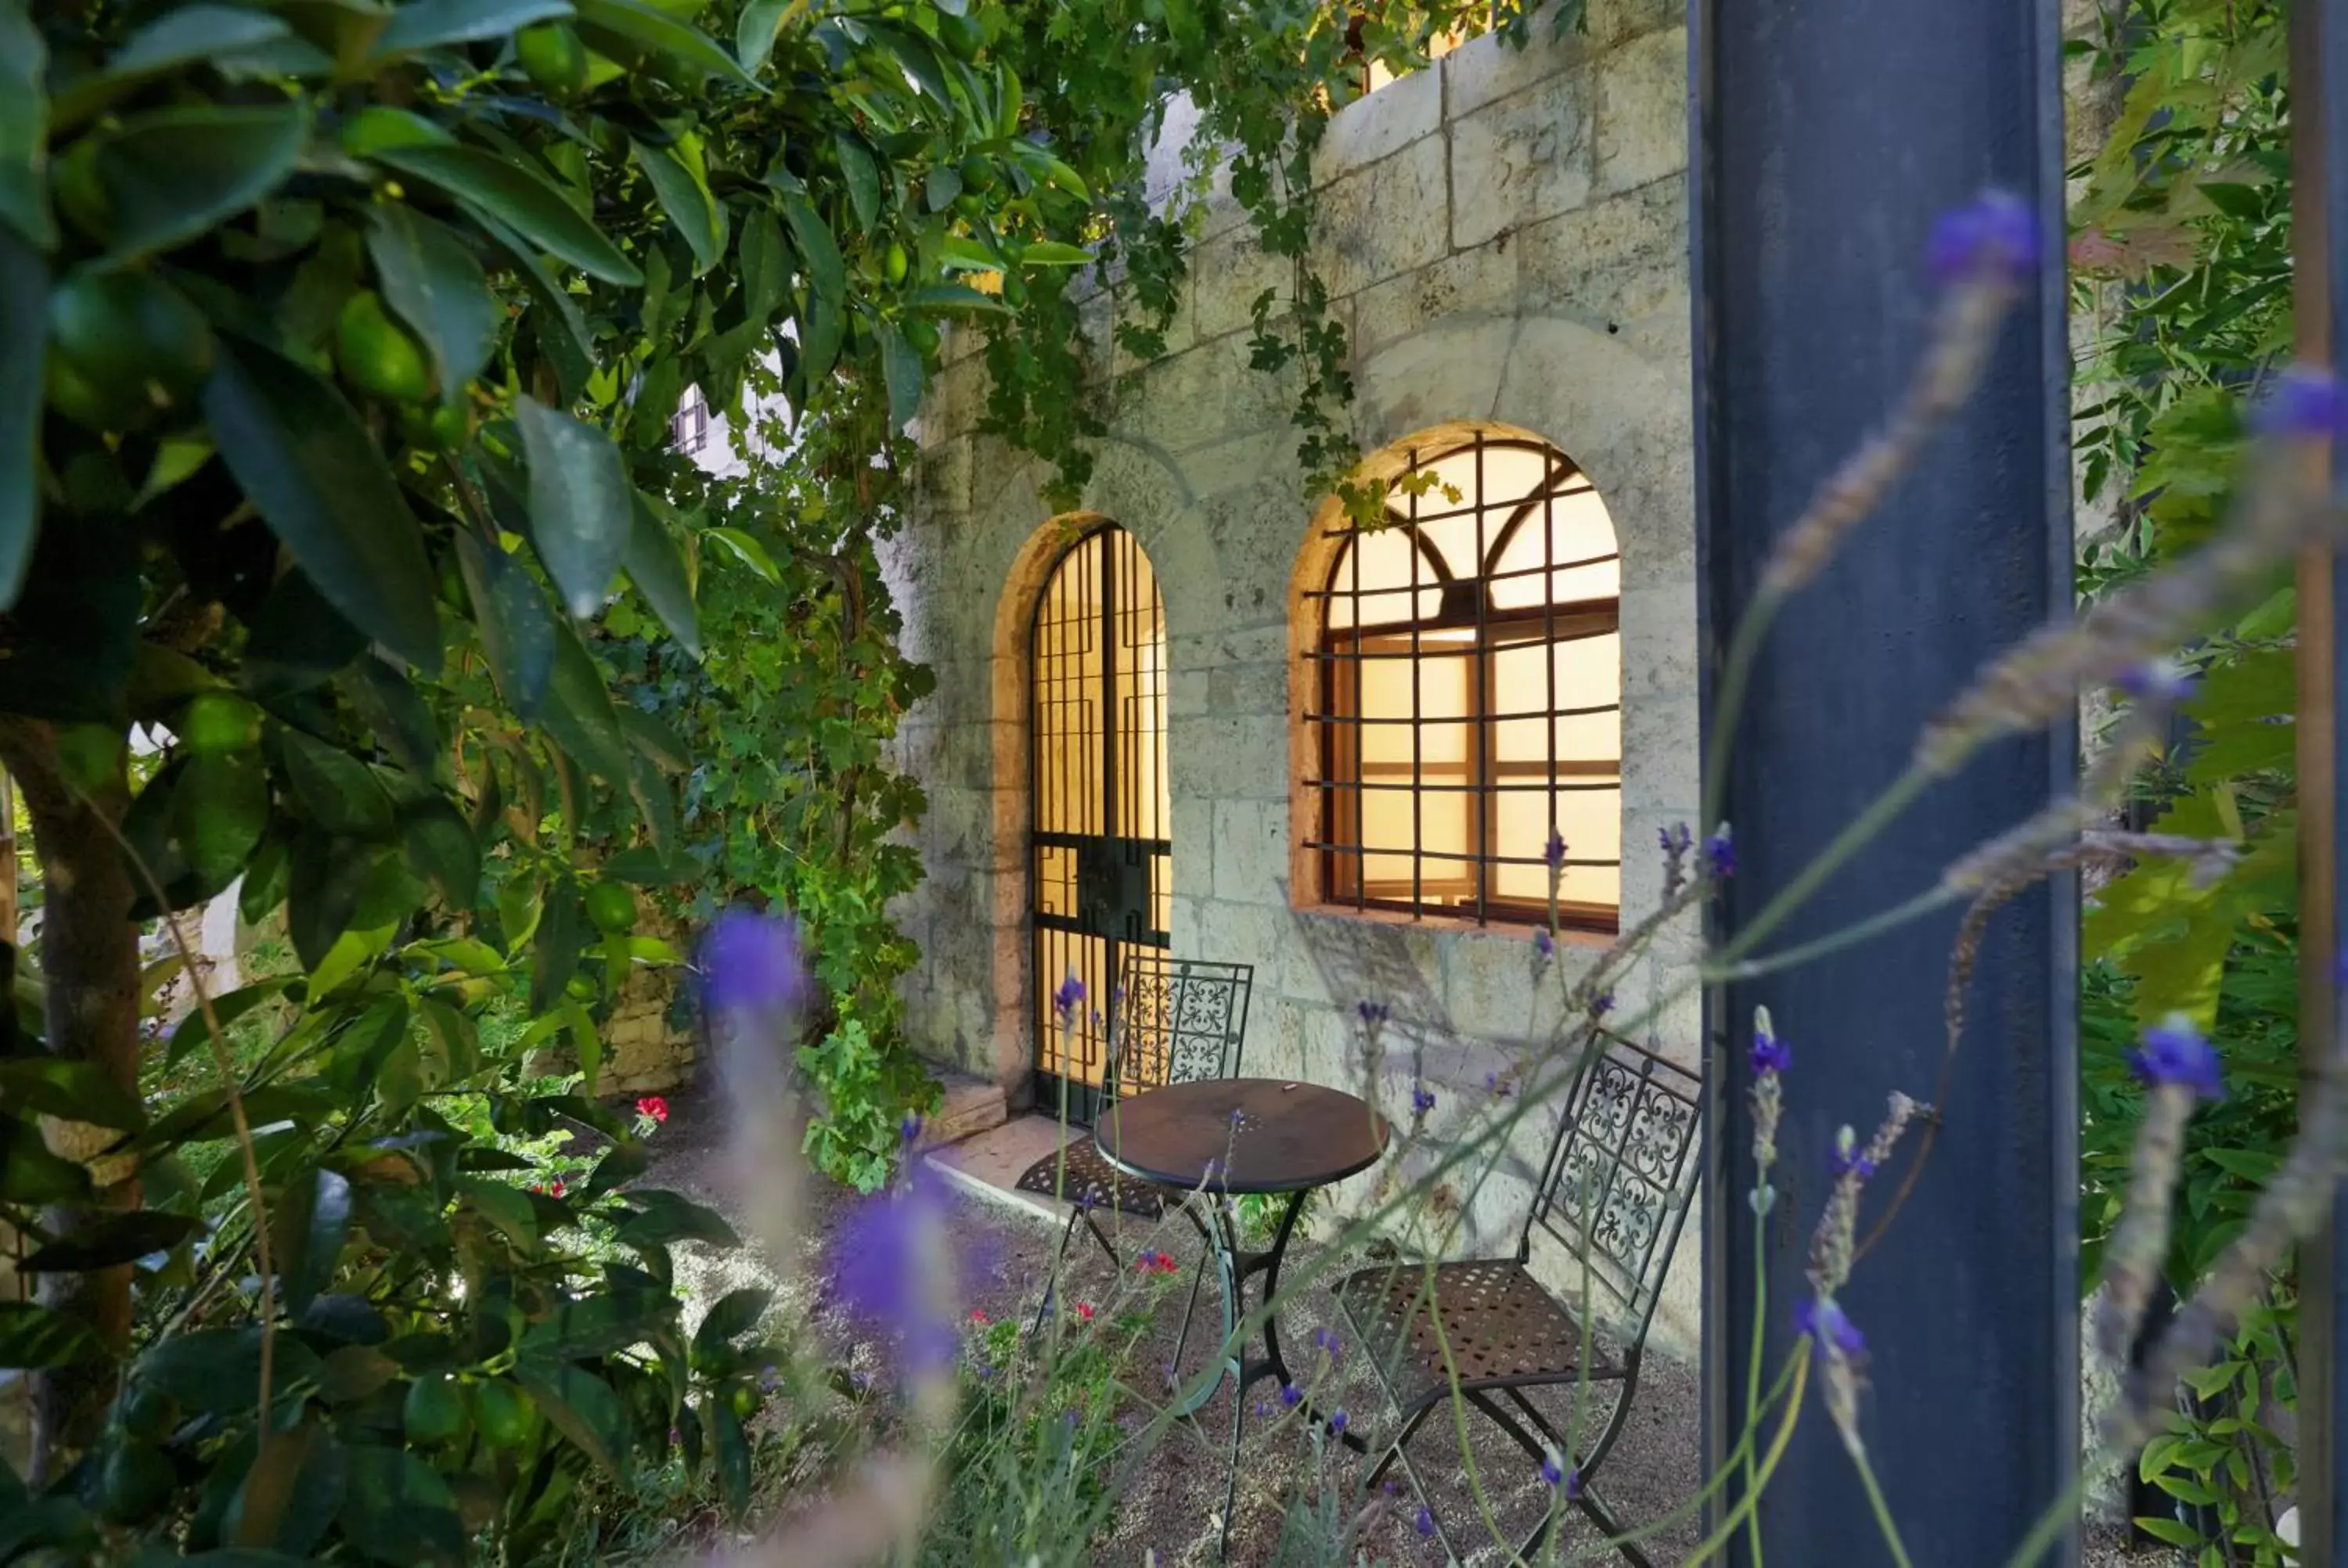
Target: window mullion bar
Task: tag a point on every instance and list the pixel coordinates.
(1418, 712)
(1481, 733)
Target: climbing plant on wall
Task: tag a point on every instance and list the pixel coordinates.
(2181, 256)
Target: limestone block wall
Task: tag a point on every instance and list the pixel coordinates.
(642, 1053)
(1505, 236)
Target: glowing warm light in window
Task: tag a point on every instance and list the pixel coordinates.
(1467, 693)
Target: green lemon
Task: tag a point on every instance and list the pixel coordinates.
(131, 332)
(978, 173)
(81, 196)
(743, 1399)
(376, 355)
(612, 909)
(922, 332)
(551, 56)
(146, 1412)
(218, 721)
(892, 266)
(503, 1412)
(135, 1483)
(94, 405)
(440, 428)
(435, 1410)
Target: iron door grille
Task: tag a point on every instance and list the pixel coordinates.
(1100, 845)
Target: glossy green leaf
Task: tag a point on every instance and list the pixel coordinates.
(433, 24)
(571, 350)
(432, 281)
(112, 1236)
(30, 1174)
(765, 266)
(582, 1408)
(657, 569)
(748, 551)
(219, 809)
(683, 190)
(505, 1207)
(517, 625)
(655, 740)
(187, 36)
(309, 467)
(328, 878)
(519, 195)
(754, 35)
(74, 1091)
(554, 950)
(23, 140)
(733, 1454)
(900, 367)
(953, 299)
(735, 1314)
(966, 255)
(397, 1510)
(340, 791)
(441, 845)
(1052, 254)
(581, 507)
(827, 271)
(172, 174)
(312, 1221)
(33, 1336)
(23, 341)
(862, 172)
(664, 1217)
(579, 712)
(194, 1032)
(664, 34)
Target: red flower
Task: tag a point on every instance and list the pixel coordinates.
(978, 1315)
(558, 1189)
(1156, 1263)
(653, 1106)
(1084, 1310)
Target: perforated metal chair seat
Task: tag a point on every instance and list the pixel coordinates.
(1088, 1181)
(1503, 1329)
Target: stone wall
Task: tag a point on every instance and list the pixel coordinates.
(643, 1052)
(1505, 236)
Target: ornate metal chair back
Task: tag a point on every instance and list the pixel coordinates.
(1176, 1020)
(1620, 1174)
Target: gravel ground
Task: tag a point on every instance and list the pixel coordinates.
(1171, 1516)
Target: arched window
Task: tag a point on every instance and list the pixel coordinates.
(1466, 699)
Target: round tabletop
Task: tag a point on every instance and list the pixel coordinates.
(1254, 1134)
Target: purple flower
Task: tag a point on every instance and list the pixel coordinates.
(1992, 239)
(884, 1264)
(2305, 402)
(1326, 1339)
(1720, 855)
(1543, 943)
(1426, 1521)
(1067, 1000)
(1844, 1164)
(1551, 1472)
(1824, 1321)
(1674, 839)
(1422, 1100)
(1291, 1395)
(750, 962)
(1373, 1013)
(1602, 1005)
(910, 1128)
(2160, 680)
(1337, 1422)
(1770, 1054)
(1553, 854)
(1492, 1083)
(2174, 1051)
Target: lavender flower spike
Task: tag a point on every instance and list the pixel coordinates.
(2304, 404)
(2175, 1052)
(1553, 853)
(1993, 239)
(1068, 999)
(750, 962)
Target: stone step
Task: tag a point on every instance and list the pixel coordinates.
(972, 1106)
(988, 1165)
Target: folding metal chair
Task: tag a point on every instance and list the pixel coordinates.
(1615, 1193)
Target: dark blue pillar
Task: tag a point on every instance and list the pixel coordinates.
(1829, 135)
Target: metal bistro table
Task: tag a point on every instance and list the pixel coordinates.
(1233, 1136)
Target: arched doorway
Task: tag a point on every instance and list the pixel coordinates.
(1100, 840)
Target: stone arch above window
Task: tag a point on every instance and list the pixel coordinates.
(1459, 692)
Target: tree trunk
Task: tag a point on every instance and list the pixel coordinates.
(89, 965)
